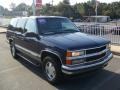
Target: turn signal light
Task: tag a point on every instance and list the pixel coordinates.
(68, 62)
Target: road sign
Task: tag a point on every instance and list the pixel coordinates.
(38, 4)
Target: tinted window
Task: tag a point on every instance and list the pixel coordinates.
(55, 25)
(31, 26)
(13, 24)
(21, 24)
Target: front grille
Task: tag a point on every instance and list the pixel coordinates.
(96, 50)
(94, 58)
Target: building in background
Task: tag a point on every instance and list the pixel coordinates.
(100, 19)
(19, 13)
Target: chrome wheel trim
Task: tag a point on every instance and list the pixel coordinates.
(13, 50)
(50, 71)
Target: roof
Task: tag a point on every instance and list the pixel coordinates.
(34, 17)
(47, 17)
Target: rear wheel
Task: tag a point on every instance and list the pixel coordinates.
(52, 69)
(13, 50)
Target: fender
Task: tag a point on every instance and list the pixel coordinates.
(52, 52)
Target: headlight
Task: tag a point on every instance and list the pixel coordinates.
(75, 53)
(108, 46)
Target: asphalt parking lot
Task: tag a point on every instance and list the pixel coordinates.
(21, 75)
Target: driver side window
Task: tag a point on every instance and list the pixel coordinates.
(31, 26)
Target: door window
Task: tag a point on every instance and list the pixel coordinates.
(30, 26)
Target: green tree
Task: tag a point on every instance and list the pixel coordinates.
(46, 10)
(21, 7)
(82, 9)
(66, 2)
(65, 9)
(1, 10)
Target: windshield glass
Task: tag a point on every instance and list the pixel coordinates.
(55, 26)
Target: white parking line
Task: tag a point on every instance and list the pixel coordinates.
(10, 69)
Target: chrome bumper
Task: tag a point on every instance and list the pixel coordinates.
(70, 70)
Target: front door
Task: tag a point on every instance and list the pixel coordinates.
(31, 43)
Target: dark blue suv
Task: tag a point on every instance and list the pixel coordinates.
(56, 43)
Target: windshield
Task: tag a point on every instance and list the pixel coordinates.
(55, 26)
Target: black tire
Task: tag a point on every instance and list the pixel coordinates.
(13, 50)
(57, 66)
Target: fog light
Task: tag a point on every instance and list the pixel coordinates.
(77, 61)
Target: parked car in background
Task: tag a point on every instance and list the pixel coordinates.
(56, 43)
(115, 30)
(77, 20)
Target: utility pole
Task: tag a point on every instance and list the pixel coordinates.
(96, 9)
(52, 2)
(52, 9)
(33, 8)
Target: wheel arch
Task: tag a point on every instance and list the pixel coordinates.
(45, 53)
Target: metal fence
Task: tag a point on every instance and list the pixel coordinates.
(107, 31)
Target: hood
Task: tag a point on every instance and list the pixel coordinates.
(75, 41)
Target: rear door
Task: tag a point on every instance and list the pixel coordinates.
(19, 37)
(11, 28)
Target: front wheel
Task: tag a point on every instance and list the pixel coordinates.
(52, 69)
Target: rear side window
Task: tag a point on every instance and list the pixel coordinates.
(13, 24)
(31, 26)
(21, 24)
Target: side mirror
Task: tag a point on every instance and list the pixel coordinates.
(32, 35)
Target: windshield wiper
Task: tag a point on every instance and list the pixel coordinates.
(64, 31)
(71, 30)
(48, 33)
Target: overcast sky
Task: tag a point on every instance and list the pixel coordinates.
(6, 3)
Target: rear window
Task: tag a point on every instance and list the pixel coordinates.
(13, 24)
(21, 24)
